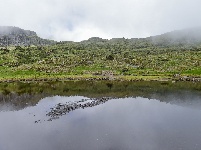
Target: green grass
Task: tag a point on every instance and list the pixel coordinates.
(79, 61)
(193, 72)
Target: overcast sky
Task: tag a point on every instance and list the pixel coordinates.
(81, 19)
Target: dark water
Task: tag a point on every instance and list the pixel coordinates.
(157, 117)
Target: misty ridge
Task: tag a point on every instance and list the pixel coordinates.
(186, 36)
(15, 36)
(8, 30)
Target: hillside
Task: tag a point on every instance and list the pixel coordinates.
(14, 36)
(191, 36)
(179, 39)
(173, 54)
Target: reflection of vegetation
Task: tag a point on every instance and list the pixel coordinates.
(95, 87)
(109, 85)
(25, 94)
(5, 92)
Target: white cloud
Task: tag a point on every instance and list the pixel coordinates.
(82, 19)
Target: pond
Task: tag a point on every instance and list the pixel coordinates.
(91, 115)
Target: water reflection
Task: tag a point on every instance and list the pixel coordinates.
(127, 123)
(21, 95)
(139, 117)
(62, 109)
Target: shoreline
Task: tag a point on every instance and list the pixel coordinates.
(103, 78)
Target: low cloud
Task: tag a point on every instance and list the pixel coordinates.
(80, 20)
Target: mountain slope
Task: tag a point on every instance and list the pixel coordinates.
(186, 38)
(19, 37)
(189, 36)
(14, 36)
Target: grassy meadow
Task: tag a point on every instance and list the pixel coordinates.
(121, 59)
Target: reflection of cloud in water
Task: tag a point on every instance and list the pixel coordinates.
(190, 99)
(125, 123)
(22, 95)
(14, 102)
(184, 99)
(160, 120)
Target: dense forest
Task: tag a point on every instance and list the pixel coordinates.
(170, 55)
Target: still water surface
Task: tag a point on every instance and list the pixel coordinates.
(160, 122)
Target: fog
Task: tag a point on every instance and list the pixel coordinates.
(79, 20)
